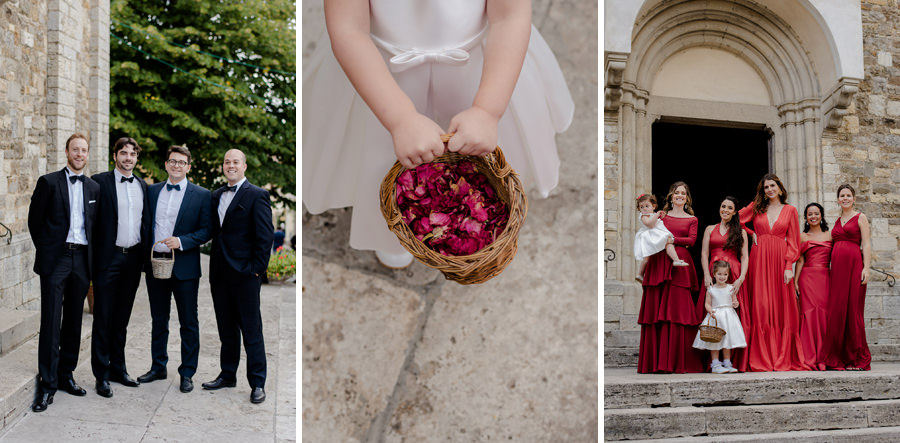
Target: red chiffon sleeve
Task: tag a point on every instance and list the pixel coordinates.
(793, 239)
(692, 234)
(746, 216)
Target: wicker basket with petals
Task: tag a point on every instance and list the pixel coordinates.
(487, 262)
(711, 333)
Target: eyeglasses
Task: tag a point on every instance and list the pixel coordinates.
(179, 163)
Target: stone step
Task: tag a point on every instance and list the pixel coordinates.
(16, 327)
(688, 421)
(18, 381)
(889, 434)
(627, 356)
(624, 388)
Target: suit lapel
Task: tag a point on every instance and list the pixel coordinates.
(111, 181)
(185, 203)
(236, 201)
(64, 190)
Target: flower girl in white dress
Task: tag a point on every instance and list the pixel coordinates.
(720, 304)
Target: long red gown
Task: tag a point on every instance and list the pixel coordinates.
(668, 315)
(717, 252)
(774, 318)
(846, 339)
(814, 282)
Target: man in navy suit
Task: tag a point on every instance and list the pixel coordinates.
(60, 221)
(180, 217)
(122, 241)
(242, 239)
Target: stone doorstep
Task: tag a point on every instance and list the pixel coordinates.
(16, 327)
(19, 370)
(869, 435)
(627, 356)
(658, 423)
(624, 389)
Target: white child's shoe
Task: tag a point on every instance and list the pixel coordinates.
(394, 261)
(680, 263)
(731, 369)
(720, 370)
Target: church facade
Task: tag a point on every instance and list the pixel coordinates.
(718, 93)
(54, 81)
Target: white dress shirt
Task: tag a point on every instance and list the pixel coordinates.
(167, 207)
(130, 200)
(225, 200)
(76, 210)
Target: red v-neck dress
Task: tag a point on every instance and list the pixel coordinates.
(717, 252)
(774, 343)
(669, 315)
(814, 283)
(846, 335)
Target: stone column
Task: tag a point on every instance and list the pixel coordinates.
(98, 86)
(63, 47)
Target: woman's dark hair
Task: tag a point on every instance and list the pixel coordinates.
(687, 201)
(735, 239)
(823, 224)
(761, 202)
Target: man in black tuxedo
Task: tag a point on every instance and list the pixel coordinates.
(121, 244)
(180, 216)
(60, 221)
(242, 239)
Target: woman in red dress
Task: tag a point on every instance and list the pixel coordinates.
(775, 323)
(845, 342)
(669, 315)
(727, 241)
(811, 285)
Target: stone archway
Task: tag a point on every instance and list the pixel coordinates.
(800, 107)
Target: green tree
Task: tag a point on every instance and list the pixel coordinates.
(211, 75)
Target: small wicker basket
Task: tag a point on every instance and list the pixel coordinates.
(711, 333)
(161, 266)
(490, 260)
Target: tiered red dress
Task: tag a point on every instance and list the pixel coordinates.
(774, 341)
(718, 252)
(814, 282)
(845, 341)
(669, 315)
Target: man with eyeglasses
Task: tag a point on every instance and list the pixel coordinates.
(60, 221)
(122, 240)
(180, 214)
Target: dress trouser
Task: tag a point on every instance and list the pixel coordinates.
(62, 307)
(236, 301)
(161, 293)
(114, 290)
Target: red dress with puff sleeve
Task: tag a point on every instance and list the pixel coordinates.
(669, 316)
(774, 342)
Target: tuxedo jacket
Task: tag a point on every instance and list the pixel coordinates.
(242, 244)
(107, 221)
(191, 227)
(48, 218)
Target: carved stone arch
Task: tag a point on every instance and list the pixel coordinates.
(799, 111)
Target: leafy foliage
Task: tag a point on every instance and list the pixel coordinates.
(211, 75)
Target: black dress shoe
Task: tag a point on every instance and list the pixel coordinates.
(219, 383)
(258, 395)
(124, 379)
(71, 387)
(186, 384)
(40, 403)
(152, 375)
(103, 389)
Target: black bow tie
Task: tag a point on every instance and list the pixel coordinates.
(127, 179)
(171, 187)
(231, 188)
(76, 178)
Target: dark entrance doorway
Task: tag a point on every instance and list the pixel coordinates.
(714, 162)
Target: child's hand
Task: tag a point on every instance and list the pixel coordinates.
(734, 302)
(662, 214)
(712, 314)
(417, 141)
(475, 132)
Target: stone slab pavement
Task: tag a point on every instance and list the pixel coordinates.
(159, 411)
(392, 356)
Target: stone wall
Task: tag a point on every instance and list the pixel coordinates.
(864, 151)
(54, 80)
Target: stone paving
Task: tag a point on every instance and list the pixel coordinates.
(158, 411)
(392, 356)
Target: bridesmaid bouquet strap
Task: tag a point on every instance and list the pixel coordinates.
(711, 333)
